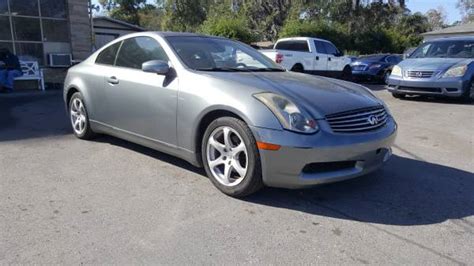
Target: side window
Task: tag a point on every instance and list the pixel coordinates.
(297, 46)
(320, 47)
(330, 48)
(136, 51)
(107, 56)
(282, 46)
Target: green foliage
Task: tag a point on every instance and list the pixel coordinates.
(358, 26)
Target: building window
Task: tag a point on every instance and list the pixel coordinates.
(24, 7)
(3, 7)
(5, 29)
(7, 45)
(30, 51)
(53, 8)
(33, 28)
(26, 29)
(55, 30)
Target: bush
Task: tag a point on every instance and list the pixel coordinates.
(228, 27)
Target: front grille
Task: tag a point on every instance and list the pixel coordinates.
(420, 74)
(360, 120)
(420, 89)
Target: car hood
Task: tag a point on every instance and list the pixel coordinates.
(432, 64)
(318, 95)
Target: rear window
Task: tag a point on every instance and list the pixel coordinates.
(107, 56)
(297, 46)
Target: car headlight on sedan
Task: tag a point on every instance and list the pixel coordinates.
(455, 71)
(375, 66)
(291, 117)
(396, 71)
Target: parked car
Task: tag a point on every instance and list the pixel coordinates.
(248, 126)
(374, 67)
(310, 55)
(443, 67)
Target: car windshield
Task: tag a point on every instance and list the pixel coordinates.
(215, 54)
(445, 49)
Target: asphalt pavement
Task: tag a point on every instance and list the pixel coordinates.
(107, 201)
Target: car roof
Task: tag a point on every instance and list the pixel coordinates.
(464, 38)
(302, 39)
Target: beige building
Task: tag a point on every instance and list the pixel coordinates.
(456, 31)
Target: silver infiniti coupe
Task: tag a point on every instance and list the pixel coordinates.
(221, 105)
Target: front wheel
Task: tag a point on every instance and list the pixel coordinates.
(469, 93)
(231, 158)
(347, 73)
(398, 95)
(79, 117)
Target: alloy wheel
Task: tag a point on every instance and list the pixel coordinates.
(227, 156)
(78, 116)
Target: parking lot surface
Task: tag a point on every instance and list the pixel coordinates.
(68, 201)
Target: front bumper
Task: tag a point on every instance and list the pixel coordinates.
(337, 157)
(451, 87)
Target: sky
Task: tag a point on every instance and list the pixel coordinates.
(422, 6)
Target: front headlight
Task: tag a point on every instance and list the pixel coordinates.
(375, 66)
(455, 71)
(290, 116)
(396, 71)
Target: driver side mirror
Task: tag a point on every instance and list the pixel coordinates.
(339, 54)
(159, 67)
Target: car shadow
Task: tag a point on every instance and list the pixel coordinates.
(151, 153)
(404, 192)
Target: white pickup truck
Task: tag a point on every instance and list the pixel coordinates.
(310, 55)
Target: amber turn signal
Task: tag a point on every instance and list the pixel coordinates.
(268, 146)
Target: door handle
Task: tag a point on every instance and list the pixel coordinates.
(329, 58)
(113, 80)
(317, 57)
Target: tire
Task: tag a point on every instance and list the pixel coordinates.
(468, 95)
(398, 95)
(385, 77)
(226, 172)
(78, 110)
(347, 73)
(298, 68)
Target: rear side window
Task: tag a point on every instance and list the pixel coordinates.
(330, 49)
(320, 47)
(107, 56)
(297, 46)
(136, 51)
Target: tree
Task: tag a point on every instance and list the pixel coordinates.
(467, 10)
(436, 18)
(125, 10)
(183, 15)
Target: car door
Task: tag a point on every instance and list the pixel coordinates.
(138, 102)
(335, 61)
(320, 57)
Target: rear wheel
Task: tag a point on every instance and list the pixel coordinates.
(79, 117)
(231, 158)
(298, 68)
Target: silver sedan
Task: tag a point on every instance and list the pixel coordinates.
(221, 105)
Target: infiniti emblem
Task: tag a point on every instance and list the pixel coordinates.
(373, 120)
